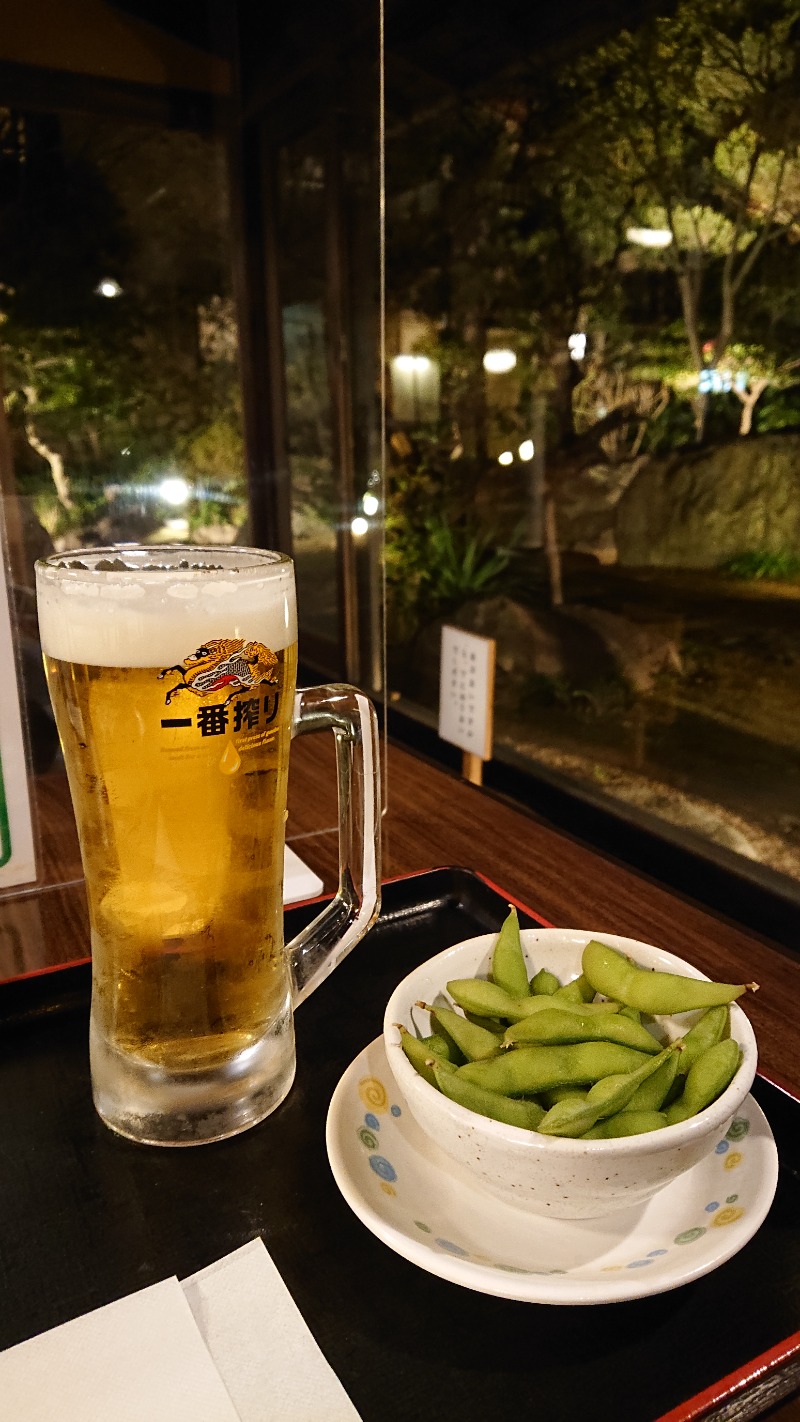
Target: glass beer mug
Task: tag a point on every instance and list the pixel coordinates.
(172, 675)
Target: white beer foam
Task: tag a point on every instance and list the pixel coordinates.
(111, 619)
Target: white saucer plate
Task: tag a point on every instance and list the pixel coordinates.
(427, 1209)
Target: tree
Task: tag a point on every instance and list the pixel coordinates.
(697, 116)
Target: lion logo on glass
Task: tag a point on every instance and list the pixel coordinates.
(224, 664)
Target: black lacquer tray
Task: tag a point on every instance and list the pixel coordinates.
(86, 1217)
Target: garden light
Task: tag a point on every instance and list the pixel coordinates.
(506, 457)
(359, 527)
(499, 362)
(577, 345)
(526, 450)
(174, 491)
(412, 364)
(370, 504)
(649, 236)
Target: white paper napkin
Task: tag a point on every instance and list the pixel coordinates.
(140, 1357)
(227, 1345)
(266, 1356)
(299, 882)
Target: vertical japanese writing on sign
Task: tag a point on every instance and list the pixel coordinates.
(466, 691)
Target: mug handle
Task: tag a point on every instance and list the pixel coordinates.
(322, 945)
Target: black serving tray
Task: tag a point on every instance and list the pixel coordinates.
(86, 1217)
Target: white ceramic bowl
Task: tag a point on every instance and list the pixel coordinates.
(562, 1178)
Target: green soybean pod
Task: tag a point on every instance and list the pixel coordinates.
(489, 1024)
(509, 970)
(604, 1098)
(707, 1079)
(653, 1093)
(615, 976)
(486, 999)
(474, 1042)
(525, 1114)
(528, 1070)
(558, 1026)
(712, 1027)
(544, 982)
(561, 1093)
(454, 1052)
(626, 1123)
(578, 990)
(438, 1045)
(483, 998)
(632, 1012)
(420, 1053)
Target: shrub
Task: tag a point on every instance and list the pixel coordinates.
(760, 563)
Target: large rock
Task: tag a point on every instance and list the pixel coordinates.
(587, 503)
(641, 650)
(577, 646)
(587, 500)
(697, 509)
(548, 644)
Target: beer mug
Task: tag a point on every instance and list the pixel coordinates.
(172, 674)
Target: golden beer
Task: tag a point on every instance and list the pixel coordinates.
(180, 811)
(173, 686)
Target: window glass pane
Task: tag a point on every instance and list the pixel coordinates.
(314, 490)
(594, 400)
(119, 338)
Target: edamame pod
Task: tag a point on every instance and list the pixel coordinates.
(711, 1028)
(559, 1026)
(486, 999)
(653, 1093)
(632, 1012)
(525, 1114)
(614, 975)
(440, 1046)
(707, 1079)
(605, 1098)
(544, 982)
(474, 1042)
(626, 1123)
(509, 970)
(561, 1093)
(529, 1070)
(420, 1053)
(578, 990)
(489, 1024)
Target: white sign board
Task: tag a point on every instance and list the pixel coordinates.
(17, 856)
(466, 691)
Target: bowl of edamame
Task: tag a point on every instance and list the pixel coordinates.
(574, 1074)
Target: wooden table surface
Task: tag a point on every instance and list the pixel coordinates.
(436, 819)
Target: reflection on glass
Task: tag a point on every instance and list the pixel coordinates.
(593, 246)
(119, 340)
(315, 498)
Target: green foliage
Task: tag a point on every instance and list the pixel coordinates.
(759, 563)
(438, 554)
(57, 520)
(431, 571)
(778, 410)
(673, 428)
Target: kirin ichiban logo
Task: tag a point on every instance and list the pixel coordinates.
(226, 664)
